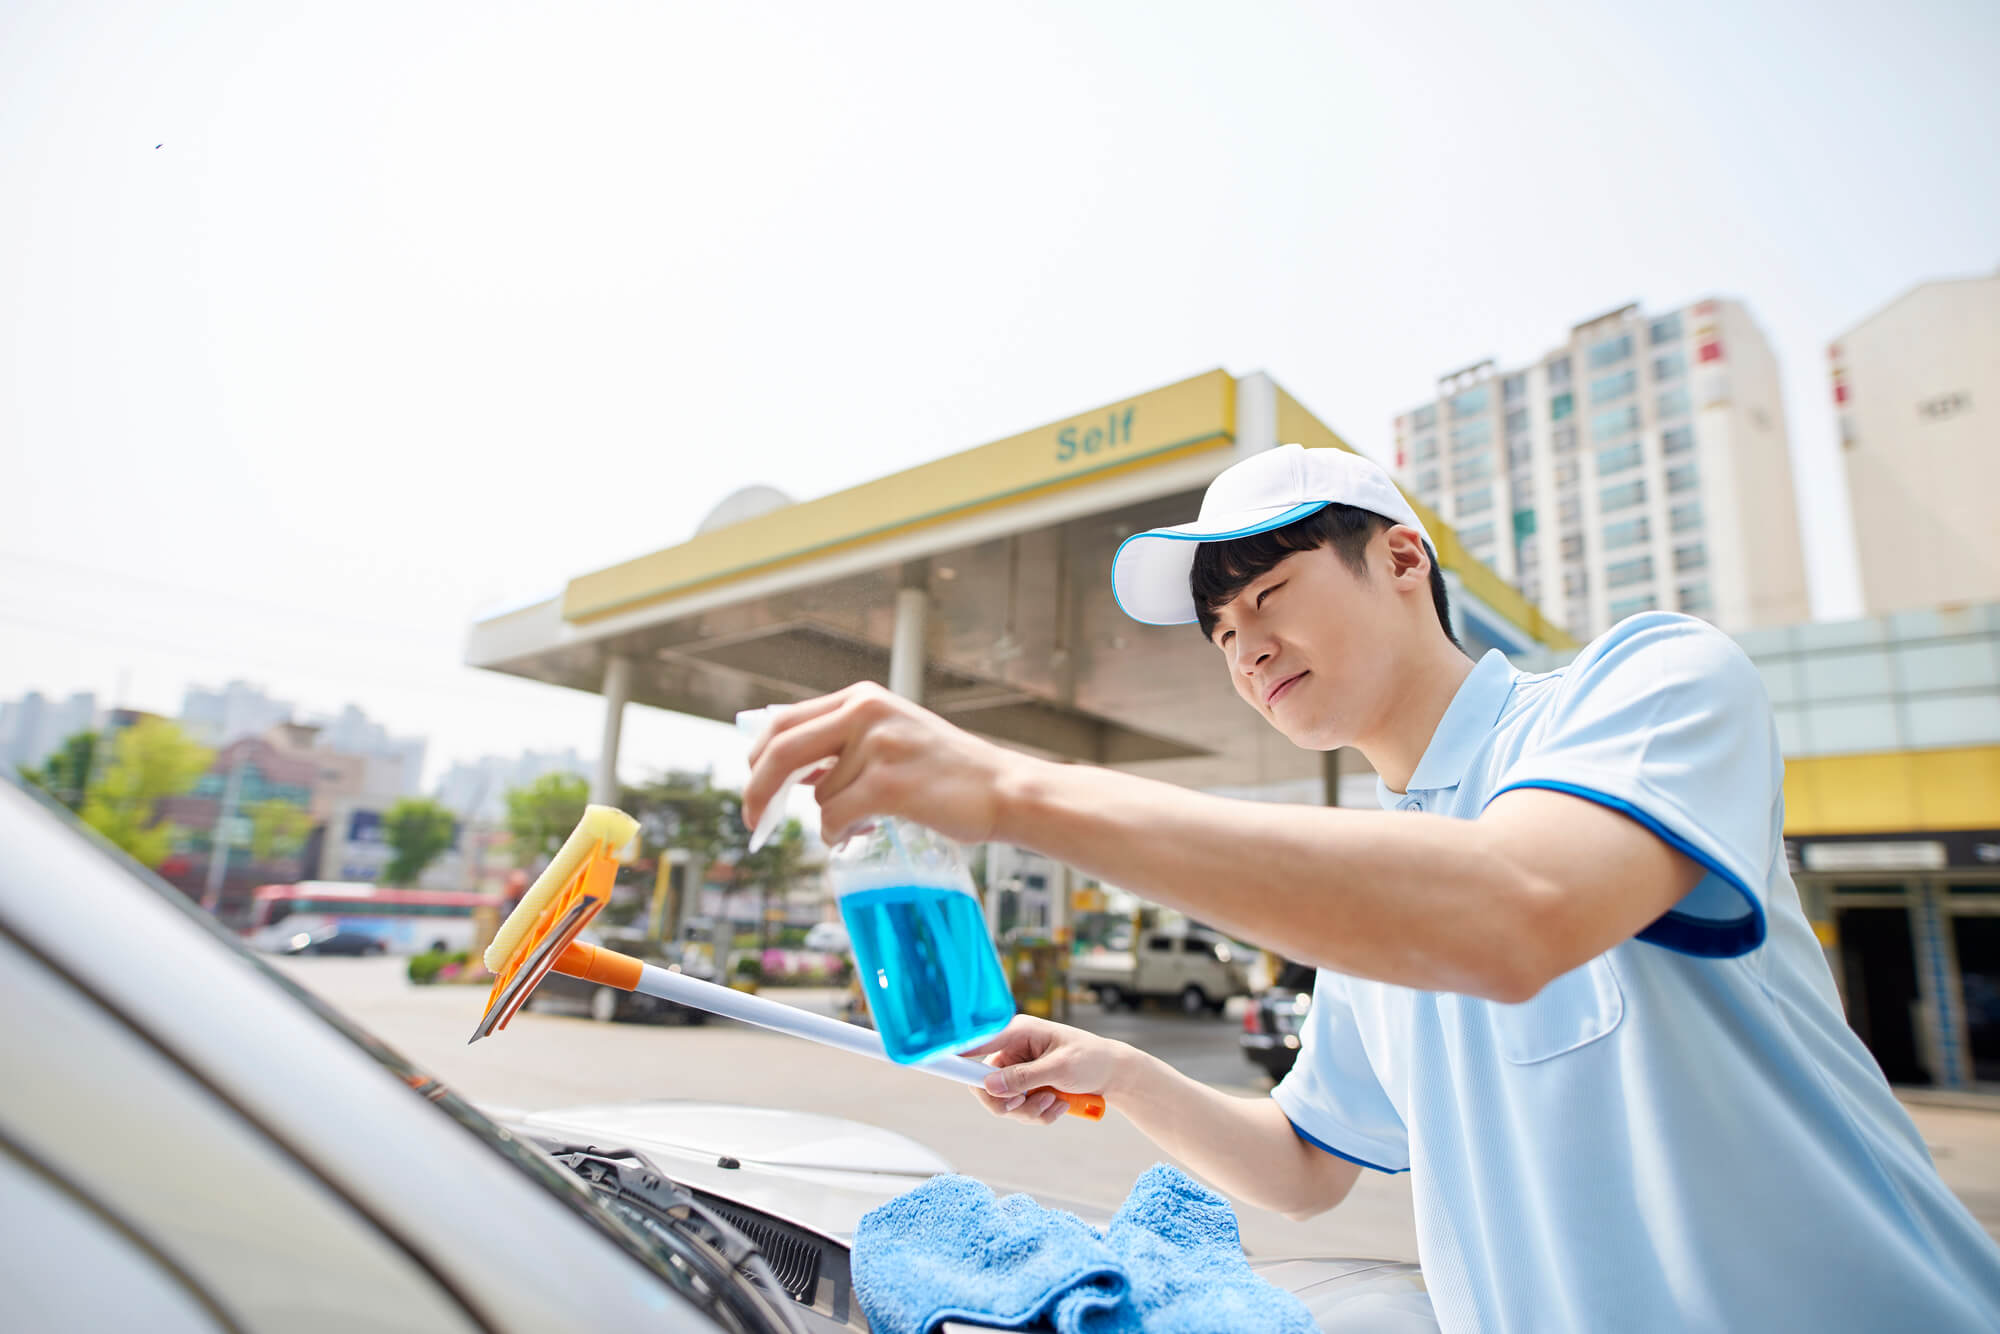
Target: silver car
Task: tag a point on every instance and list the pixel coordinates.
(190, 1142)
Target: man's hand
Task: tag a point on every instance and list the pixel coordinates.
(1036, 1054)
(891, 758)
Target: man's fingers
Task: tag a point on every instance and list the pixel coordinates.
(791, 715)
(792, 748)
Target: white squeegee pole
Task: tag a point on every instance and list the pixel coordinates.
(782, 1018)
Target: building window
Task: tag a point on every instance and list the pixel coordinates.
(1424, 416)
(1607, 387)
(1531, 589)
(1519, 452)
(1569, 510)
(1475, 469)
(1562, 440)
(1475, 501)
(1524, 526)
(1513, 389)
(1618, 458)
(1695, 600)
(1666, 329)
(1478, 536)
(1576, 583)
(1676, 440)
(1475, 434)
(1672, 366)
(1685, 518)
(1427, 481)
(1673, 403)
(1691, 557)
(1561, 406)
(1633, 606)
(1613, 422)
(1472, 401)
(1628, 533)
(1566, 472)
(1681, 479)
(1622, 496)
(1628, 572)
(1426, 447)
(1517, 421)
(1610, 352)
(1558, 372)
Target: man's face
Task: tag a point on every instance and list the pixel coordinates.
(1308, 644)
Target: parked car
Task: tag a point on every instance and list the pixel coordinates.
(1186, 964)
(190, 1142)
(351, 943)
(608, 1004)
(1272, 1020)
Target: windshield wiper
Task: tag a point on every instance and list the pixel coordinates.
(721, 1268)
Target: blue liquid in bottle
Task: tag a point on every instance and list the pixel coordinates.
(927, 967)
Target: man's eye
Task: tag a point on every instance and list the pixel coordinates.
(1227, 635)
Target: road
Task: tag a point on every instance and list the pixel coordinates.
(547, 1060)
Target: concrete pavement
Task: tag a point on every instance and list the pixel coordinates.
(553, 1060)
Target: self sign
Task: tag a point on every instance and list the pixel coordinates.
(1074, 440)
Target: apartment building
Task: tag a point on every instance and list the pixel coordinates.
(1642, 464)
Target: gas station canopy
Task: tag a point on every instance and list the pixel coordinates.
(978, 584)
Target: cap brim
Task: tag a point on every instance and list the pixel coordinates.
(1149, 575)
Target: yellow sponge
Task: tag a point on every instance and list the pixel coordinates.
(605, 824)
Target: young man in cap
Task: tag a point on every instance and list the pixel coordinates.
(1565, 980)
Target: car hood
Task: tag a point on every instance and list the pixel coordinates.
(822, 1173)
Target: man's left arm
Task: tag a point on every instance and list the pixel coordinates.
(1496, 907)
(1493, 907)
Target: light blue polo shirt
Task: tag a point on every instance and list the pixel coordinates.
(1682, 1134)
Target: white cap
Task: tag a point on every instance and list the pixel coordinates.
(1149, 575)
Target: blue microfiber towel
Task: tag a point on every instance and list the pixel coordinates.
(1170, 1263)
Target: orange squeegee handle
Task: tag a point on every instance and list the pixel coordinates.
(594, 963)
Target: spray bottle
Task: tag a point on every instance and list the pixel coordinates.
(928, 969)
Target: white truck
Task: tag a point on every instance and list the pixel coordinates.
(1189, 965)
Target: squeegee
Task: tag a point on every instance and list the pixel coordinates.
(540, 937)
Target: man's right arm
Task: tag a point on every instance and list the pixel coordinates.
(1243, 1146)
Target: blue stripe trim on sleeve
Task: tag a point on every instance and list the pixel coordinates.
(1683, 933)
(1321, 1144)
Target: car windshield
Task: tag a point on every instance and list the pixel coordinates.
(650, 1240)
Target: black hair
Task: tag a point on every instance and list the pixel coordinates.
(1224, 569)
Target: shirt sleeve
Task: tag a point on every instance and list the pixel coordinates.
(1333, 1097)
(1666, 721)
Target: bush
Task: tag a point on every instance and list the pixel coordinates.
(425, 967)
(436, 966)
(750, 967)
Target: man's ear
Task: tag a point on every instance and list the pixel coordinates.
(1407, 557)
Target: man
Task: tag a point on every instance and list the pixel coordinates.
(1565, 980)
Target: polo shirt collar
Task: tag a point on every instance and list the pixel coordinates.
(1462, 730)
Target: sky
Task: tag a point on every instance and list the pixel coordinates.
(326, 328)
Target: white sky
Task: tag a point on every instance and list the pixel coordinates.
(418, 309)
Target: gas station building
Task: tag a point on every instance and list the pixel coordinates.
(979, 585)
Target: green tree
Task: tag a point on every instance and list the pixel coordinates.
(688, 812)
(541, 815)
(776, 865)
(151, 760)
(419, 830)
(66, 774)
(278, 829)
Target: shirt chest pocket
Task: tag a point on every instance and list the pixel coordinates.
(1572, 1011)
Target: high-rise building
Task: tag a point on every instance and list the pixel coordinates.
(477, 790)
(239, 709)
(1917, 387)
(1642, 464)
(33, 726)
